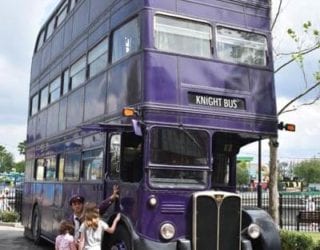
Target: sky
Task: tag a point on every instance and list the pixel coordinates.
(18, 34)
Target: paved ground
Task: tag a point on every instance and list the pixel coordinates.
(11, 238)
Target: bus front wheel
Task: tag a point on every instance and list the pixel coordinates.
(119, 240)
(36, 226)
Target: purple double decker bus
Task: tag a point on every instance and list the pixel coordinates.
(157, 96)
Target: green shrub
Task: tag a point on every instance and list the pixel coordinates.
(294, 240)
(317, 245)
(9, 216)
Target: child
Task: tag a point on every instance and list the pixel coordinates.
(65, 240)
(92, 228)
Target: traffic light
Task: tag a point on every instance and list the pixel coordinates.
(287, 126)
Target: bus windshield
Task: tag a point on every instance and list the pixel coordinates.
(173, 155)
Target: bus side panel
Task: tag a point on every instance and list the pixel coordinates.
(58, 209)
(214, 75)
(263, 92)
(27, 204)
(123, 10)
(160, 80)
(47, 208)
(168, 5)
(213, 12)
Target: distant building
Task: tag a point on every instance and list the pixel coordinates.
(253, 171)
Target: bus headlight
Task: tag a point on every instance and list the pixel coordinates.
(153, 201)
(254, 231)
(167, 231)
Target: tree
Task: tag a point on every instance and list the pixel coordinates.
(22, 147)
(243, 176)
(308, 171)
(20, 166)
(6, 160)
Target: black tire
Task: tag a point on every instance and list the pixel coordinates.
(36, 226)
(119, 240)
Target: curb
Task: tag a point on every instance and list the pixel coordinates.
(11, 224)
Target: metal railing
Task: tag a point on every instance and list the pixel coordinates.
(10, 201)
(291, 206)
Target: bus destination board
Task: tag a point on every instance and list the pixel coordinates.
(216, 101)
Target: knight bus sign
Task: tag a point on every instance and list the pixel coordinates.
(157, 97)
(216, 101)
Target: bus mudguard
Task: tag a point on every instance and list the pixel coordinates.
(269, 233)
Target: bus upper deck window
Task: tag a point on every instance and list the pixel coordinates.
(78, 72)
(34, 105)
(62, 13)
(54, 90)
(98, 58)
(40, 40)
(183, 36)
(126, 40)
(50, 28)
(44, 97)
(241, 46)
(72, 4)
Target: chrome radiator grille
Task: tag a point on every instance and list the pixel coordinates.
(216, 221)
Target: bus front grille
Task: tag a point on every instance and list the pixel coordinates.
(216, 221)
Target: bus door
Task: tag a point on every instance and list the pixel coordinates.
(125, 168)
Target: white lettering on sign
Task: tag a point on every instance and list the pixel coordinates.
(209, 101)
(230, 103)
(217, 102)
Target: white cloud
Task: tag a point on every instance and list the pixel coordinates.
(303, 143)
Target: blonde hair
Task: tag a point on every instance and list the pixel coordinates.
(91, 215)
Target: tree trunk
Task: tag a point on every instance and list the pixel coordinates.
(273, 181)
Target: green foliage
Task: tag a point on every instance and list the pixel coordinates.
(309, 171)
(317, 245)
(298, 57)
(9, 216)
(293, 35)
(6, 160)
(317, 76)
(306, 43)
(20, 166)
(22, 147)
(306, 26)
(243, 176)
(293, 240)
